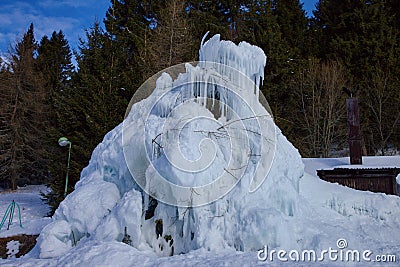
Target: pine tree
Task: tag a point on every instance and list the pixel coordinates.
(262, 20)
(55, 63)
(129, 25)
(102, 102)
(5, 129)
(25, 116)
(212, 16)
(292, 58)
(339, 27)
(293, 25)
(393, 8)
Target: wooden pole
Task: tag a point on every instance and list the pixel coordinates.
(353, 123)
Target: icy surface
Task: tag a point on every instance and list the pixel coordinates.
(290, 209)
(242, 148)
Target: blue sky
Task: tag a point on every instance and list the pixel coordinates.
(308, 6)
(71, 16)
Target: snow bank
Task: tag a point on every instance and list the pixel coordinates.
(55, 239)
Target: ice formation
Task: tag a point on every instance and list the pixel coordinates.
(200, 176)
(197, 164)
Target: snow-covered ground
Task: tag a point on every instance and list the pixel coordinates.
(33, 210)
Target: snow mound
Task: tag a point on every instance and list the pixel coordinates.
(200, 164)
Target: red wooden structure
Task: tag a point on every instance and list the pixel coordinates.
(353, 123)
(375, 180)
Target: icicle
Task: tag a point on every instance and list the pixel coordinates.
(213, 84)
(248, 59)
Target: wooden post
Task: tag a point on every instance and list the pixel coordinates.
(353, 123)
